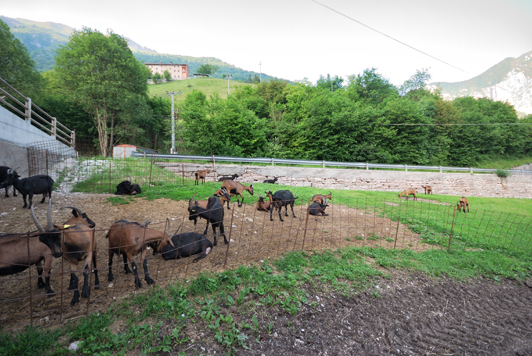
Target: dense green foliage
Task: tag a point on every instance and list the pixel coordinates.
(16, 66)
(367, 120)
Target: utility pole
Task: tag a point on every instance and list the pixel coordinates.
(228, 77)
(260, 72)
(172, 94)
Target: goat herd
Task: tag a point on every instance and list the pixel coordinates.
(463, 203)
(75, 240)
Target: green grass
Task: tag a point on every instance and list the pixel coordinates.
(504, 162)
(218, 300)
(207, 86)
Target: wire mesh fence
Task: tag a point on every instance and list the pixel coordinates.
(252, 239)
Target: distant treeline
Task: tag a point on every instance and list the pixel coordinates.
(367, 120)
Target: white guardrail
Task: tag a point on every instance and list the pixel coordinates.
(323, 164)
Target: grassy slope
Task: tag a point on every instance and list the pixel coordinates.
(208, 86)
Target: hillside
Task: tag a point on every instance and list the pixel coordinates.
(509, 80)
(207, 86)
(43, 38)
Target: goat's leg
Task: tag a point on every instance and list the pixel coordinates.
(126, 267)
(292, 207)
(130, 256)
(47, 268)
(110, 275)
(222, 232)
(14, 191)
(85, 291)
(24, 198)
(271, 211)
(286, 210)
(40, 282)
(43, 198)
(7, 195)
(280, 208)
(73, 284)
(147, 277)
(95, 270)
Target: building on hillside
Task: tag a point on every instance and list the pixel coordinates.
(177, 71)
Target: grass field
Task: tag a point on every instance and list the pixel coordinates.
(207, 86)
(227, 301)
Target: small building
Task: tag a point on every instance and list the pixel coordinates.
(177, 71)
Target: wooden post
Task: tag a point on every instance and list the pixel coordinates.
(397, 231)
(183, 172)
(73, 138)
(452, 226)
(213, 167)
(306, 224)
(28, 109)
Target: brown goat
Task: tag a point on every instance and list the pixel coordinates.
(408, 192)
(133, 238)
(263, 205)
(200, 175)
(223, 195)
(318, 198)
(235, 188)
(462, 204)
(19, 251)
(428, 189)
(79, 245)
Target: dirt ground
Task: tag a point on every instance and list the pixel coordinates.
(413, 315)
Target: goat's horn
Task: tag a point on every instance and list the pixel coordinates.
(146, 223)
(190, 201)
(175, 233)
(168, 227)
(130, 179)
(80, 212)
(49, 215)
(35, 219)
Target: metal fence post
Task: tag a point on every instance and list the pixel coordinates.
(54, 126)
(397, 231)
(452, 226)
(27, 111)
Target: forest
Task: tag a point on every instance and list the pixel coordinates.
(99, 88)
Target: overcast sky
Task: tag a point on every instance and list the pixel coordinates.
(297, 39)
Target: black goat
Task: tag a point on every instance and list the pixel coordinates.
(3, 175)
(222, 178)
(279, 199)
(127, 188)
(40, 184)
(318, 209)
(271, 181)
(211, 210)
(188, 244)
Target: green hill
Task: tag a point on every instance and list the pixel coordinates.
(208, 86)
(43, 38)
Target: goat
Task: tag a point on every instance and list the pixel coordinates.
(318, 209)
(428, 189)
(3, 175)
(200, 175)
(127, 188)
(19, 251)
(462, 204)
(279, 199)
(262, 204)
(408, 192)
(39, 184)
(223, 195)
(222, 178)
(211, 210)
(321, 199)
(271, 181)
(132, 238)
(235, 188)
(186, 245)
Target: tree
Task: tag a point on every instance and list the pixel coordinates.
(330, 83)
(417, 81)
(16, 66)
(167, 76)
(102, 75)
(156, 77)
(371, 87)
(207, 69)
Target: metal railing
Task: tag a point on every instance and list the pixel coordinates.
(36, 116)
(323, 164)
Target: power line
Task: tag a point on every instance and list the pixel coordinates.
(390, 37)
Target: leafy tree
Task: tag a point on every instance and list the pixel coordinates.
(156, 77)
(16, 66)
(167, 75)
(101, 74)
(330, 83)
(207, 69)
(370, 87)
(416, 82)
(256, 79)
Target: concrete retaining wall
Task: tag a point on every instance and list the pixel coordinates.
(18, 131)
(480, 185)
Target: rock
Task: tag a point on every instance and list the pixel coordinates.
(74, 346)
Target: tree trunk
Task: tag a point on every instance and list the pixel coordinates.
(101, 123)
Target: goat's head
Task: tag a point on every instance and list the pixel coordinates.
(193, 214)
(224, 195)
(49, 236)
(79, 217)
(11, 177)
